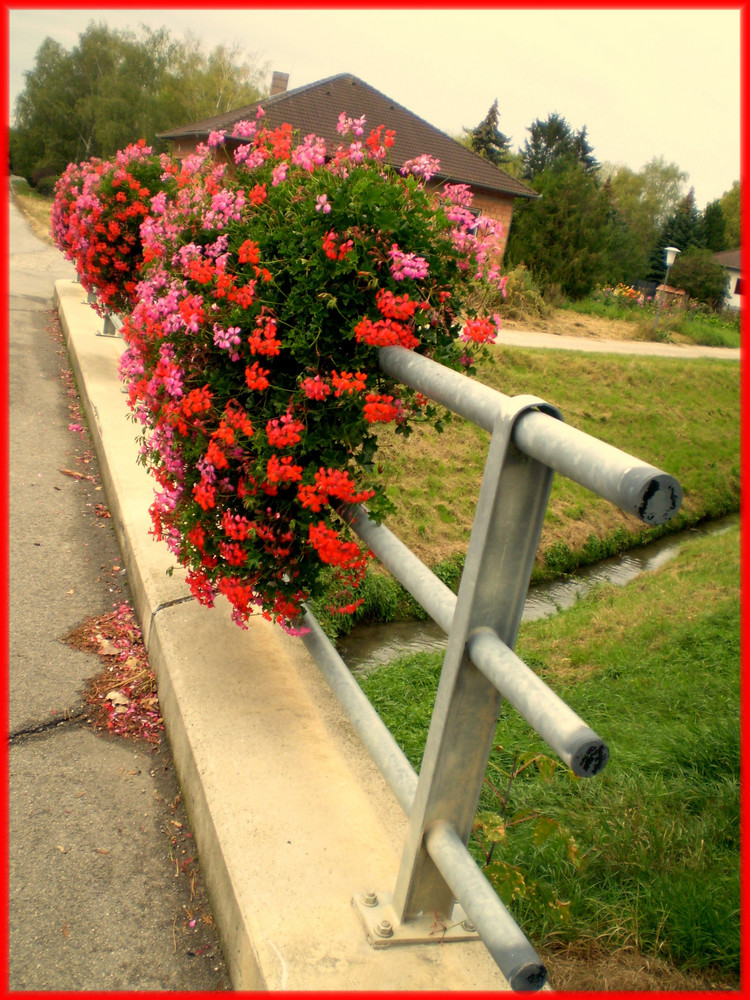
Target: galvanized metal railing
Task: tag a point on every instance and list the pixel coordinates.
(112, 324)
(438, 884)
(440, 894)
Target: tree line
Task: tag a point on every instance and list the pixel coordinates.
(593, 224)
(598, 223)
(115, 87)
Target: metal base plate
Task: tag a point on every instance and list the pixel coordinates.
(383, 930)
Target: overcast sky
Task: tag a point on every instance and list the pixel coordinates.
(645, 83)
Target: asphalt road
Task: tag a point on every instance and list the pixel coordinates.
(101, 894)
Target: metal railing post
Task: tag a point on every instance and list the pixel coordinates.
(500, 557)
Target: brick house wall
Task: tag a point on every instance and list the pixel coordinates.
(496, 207)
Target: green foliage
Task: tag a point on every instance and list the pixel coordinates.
(663, 185)
(626, 255)
(498, 827)
(202, 85)
(683, 229)
(553, 143)
(115, 87)
(487, 140)
(711, 329)
(613, 302)
(522, 299)
(731, 207)
(640, 214)
(701, 277)
(639, 204)
(45, 186)
(626, 218)
(561, 236)
(715, 227)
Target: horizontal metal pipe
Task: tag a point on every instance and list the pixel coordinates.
(635, 486)
(640, 489)
(456, 392)
(436, 598)
(387, 754)
(573, 741)
(502, 936)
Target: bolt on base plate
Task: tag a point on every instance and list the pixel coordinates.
(382, 928)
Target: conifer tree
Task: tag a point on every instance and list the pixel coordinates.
(553, 143)
(714, 227)
(487, 140)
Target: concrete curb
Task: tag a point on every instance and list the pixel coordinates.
(291, 817)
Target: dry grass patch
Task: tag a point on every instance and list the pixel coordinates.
(587, 966)
(563, 322)
(35, 208)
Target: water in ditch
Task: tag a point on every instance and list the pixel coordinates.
(369, 646)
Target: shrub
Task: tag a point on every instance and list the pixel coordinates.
(523, 298)
(44, 172)
(701, 276)
(46, 185)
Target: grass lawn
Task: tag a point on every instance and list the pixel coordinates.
(646, 854)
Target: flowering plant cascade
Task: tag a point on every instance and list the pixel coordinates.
(269, 284)
(96, 217)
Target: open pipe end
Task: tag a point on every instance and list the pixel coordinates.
(531, 976)
(660, 498)
(590, 757)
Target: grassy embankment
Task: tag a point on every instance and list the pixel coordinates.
(646, 854)
(681, 416)
(697, 326)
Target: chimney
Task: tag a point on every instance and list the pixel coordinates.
(279, 83)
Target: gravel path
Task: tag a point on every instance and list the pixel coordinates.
(564, 342)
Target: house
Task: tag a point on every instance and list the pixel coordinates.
(315, 108)
(730, 261)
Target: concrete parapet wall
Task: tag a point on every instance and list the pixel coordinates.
(290, 815)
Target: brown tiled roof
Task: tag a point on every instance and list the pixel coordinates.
(316, 107)
(729, 258)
